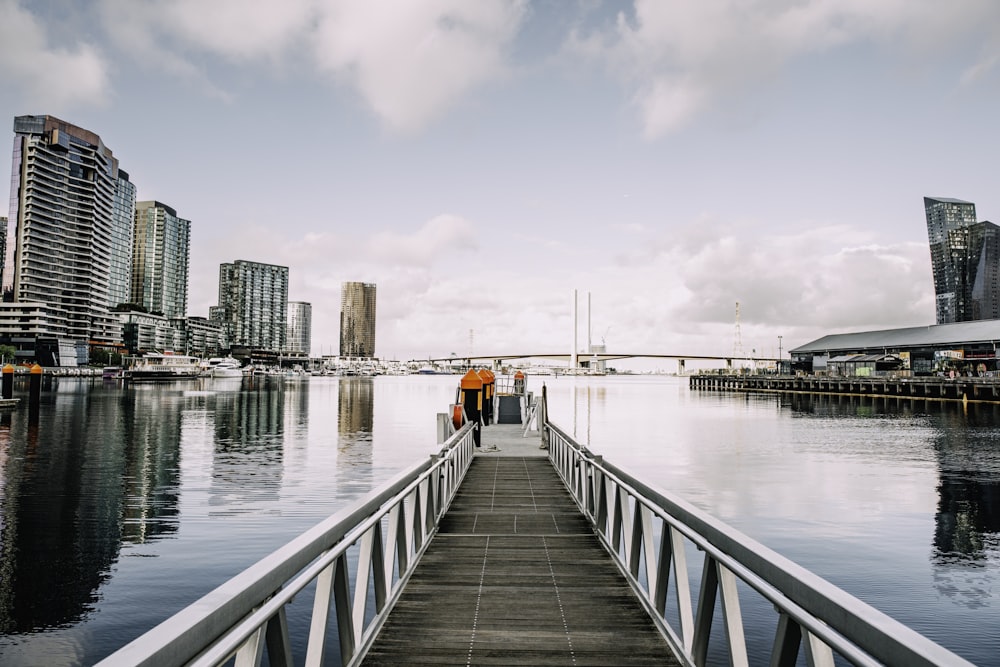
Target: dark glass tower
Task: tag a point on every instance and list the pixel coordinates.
(965, 259)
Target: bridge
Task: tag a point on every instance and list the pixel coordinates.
(527, 550)
(497, 360)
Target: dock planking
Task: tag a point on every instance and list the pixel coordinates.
(516, 576)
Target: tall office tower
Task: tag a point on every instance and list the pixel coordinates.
(253, 304)
(980, 291)
(963, 260)
(160, 259)
(300, 327)
(357, 320)
(120, 286)
(61, 228)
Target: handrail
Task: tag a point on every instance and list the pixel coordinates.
(812, 613)
(388, 530)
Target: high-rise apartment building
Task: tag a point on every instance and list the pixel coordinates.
(965, 260)
(61, 230)
(299, 331)
(253, 304)
(160, 256)
(123, 223)
(357, 320)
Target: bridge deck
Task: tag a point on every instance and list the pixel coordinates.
(516, 576)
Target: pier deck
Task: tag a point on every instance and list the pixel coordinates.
(516, 576)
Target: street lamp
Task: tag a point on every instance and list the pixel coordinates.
(779, 355)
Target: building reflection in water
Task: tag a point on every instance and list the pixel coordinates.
(248, 454)
(80, 477)
(966, 444)
(355, 426)
(589, 396)
(967, 527)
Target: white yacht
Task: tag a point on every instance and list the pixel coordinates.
(223, 367)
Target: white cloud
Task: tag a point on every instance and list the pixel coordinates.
(51, 77)
(234, 29)
(410, 61)
(823, 279)
(443, 238)
(681, 58)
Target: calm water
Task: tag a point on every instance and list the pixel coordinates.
(119, 506)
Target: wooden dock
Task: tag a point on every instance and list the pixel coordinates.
(516, 576)
(981, 389)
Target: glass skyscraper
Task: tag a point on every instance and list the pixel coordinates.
(299, 327)
(123, 216)
(160, 259)
(357, 320)
(253, 304)
(965, 260)
(61, 231)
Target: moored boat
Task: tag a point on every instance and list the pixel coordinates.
(223, 367)
(156, 367)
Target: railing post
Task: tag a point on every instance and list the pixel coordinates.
(342, 603)
(279, 644)
(706, 610)
(787, 638)
(320, 615)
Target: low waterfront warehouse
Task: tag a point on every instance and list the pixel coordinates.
(963, 347)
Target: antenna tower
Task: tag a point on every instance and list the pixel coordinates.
(738, 352)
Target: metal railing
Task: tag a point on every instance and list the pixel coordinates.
(388, 530)
(648, 533)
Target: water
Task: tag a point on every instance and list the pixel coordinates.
(122, 505)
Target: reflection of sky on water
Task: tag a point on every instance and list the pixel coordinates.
(897, 502)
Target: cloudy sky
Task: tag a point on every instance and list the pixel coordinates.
(479, 161)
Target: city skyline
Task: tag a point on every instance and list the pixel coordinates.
(672, 160)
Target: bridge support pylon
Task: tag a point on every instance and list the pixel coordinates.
(680, 366)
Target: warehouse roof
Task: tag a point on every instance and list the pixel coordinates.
(934, 335)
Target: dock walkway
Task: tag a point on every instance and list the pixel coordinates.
(516, 575)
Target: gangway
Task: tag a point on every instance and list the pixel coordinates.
(447, 560)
